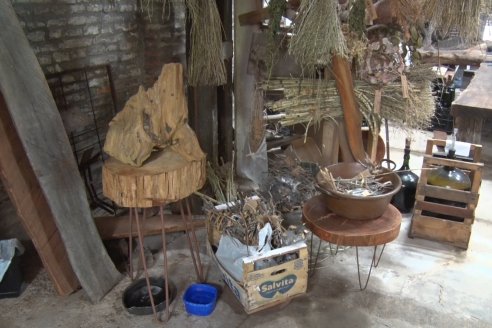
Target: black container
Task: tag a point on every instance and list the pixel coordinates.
(136, 298)
(405, 198)
(11, 284)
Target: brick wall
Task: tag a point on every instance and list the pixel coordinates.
(72, 34)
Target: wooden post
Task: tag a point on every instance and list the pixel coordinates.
(352, 116)
(224, 93)
(33, 210)
(249, 165)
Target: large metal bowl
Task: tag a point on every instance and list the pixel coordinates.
(357, 207)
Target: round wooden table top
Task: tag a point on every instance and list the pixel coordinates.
(164, 178)
(348, 232)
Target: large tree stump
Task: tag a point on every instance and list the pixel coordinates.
(165, 177)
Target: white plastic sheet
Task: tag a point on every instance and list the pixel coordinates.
(231, 251)
(7, 253)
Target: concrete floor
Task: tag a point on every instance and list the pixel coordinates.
(418, 283)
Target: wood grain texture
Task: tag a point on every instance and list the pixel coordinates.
(33, 210)
(473, 105)
(446, 231)
(41, 132)
(165, 177)
(347, 232)
(156, 118)
(351, 114)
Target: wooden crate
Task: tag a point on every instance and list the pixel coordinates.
(265, 288)
(448, 223)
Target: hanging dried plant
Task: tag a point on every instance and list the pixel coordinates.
(205, 66)
(317, 34)
(461, 14)
(257, 122)
(308, 101)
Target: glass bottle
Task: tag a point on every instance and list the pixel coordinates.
(404, 199)
(448, 176)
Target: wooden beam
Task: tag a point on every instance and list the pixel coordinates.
(113, 227)
(471, 56)
(38, 124)
(351, 114)
(33, 211)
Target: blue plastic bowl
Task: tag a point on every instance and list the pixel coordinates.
(200, 299)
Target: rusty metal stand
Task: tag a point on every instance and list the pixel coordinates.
(192, 242)
(374, 264)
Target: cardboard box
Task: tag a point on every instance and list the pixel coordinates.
(264, 288)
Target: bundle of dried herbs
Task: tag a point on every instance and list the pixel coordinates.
(464, 15)
(317, 35)
(205, 66)
(308, 101)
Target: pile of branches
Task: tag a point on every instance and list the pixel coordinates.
(288, 184)
(244, 218)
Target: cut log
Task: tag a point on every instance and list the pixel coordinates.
(33, 210)
(40, 129)
(471, 56)
(166, 177)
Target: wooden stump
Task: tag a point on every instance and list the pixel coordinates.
(165, 177)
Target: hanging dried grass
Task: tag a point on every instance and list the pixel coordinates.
(317, 35)
(257, 122)
(461, 14)
(205, 66)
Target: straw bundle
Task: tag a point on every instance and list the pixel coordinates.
(257, 122)
(461, 14)
(309, 101)
(206, 66)
(317, 34)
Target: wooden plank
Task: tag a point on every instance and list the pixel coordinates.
(444, 209)
(429, 160)
(469, 127)
(33, 211)
(449, 194)
(474, 105)
(477, 95)
(351, 114)
(114, 227)
(472, 56)
(40, 129)
(454, 233)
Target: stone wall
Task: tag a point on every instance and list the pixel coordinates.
(72, 34)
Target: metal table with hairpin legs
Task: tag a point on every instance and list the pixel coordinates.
(148, 186)
(341, 231)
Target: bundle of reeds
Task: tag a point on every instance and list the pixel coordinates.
(461, 14)
(308, 101)
(205, 66)
(317, 35)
